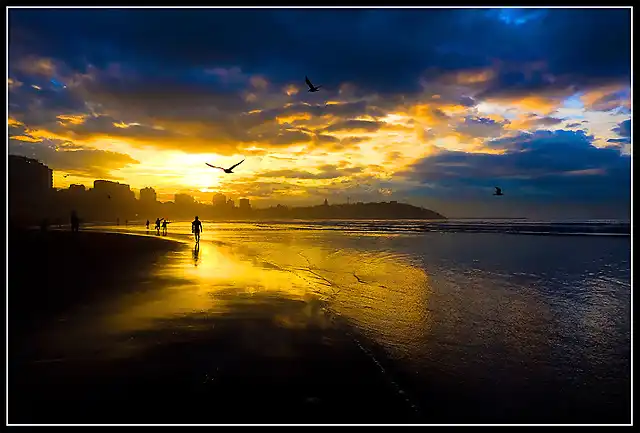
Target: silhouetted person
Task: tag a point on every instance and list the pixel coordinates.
(196, 228)
(75, 222)
(147, 224)
(126, 222)
(164, 226)
(158, 225)
(117, 221)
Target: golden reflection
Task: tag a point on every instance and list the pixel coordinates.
(381, 293)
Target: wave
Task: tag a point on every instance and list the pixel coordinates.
(524, 227)
(520, 226)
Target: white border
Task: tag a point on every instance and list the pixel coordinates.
(295, 7)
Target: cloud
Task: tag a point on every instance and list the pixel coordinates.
(555, 163)
(388, 42)
(548, 121)
(623, 129)
(485, 77)
(92, 163)
(480, 127)
(325, 172)
(355, 125)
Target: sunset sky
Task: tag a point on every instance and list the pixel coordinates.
(429, 106)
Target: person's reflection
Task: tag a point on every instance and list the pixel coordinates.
(196, 253)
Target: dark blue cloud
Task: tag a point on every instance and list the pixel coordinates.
(381, 50)
(562, 164)
(624, 131)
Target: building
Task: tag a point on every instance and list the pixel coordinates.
(148, 195)
(183, 200)
(30, 189)
(231, 204)
(29, 177)
(113, 190)
(77, 188)
(244, 204)
(219, 200)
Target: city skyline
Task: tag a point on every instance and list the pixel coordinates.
(448, 105)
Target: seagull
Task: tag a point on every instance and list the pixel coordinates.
(226, 170)
(312, 88)
(498, 191)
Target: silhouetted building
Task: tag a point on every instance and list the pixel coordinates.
(77, 188)
(148, 196)
(219, 200)
(29, 177)
(183, 200)
(30, 188)
(244, 204)
(113, 190)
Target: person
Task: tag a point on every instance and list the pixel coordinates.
(164, 226)
(75, 221)
(158, 225)
(196, 228)
(147, 224)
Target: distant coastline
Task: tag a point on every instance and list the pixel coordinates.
(357, 211)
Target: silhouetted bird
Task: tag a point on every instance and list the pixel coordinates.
(498, 191)
(312, 88)
(226, 170)
(66, 175)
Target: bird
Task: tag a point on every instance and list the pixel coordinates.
(226, 170)
(498, 191)
(109, 196)
(312, 88)
(66, 175)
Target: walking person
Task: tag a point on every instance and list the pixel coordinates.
(196, 228)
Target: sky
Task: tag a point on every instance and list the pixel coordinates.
(433, 107)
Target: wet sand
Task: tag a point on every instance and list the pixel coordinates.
(264, 361)
(290, 325)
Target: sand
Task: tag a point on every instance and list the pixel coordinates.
(244, 367)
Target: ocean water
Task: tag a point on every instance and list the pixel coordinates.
(492, 321)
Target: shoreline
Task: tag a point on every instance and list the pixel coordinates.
(193, 341)
(193, 368)
(54, 267)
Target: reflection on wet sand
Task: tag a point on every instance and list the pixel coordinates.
(497, 340)
(376, 291)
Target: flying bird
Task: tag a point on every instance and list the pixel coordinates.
(226, 170)
(498, 191)
(312, 88)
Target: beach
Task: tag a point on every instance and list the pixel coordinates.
(294, 325)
